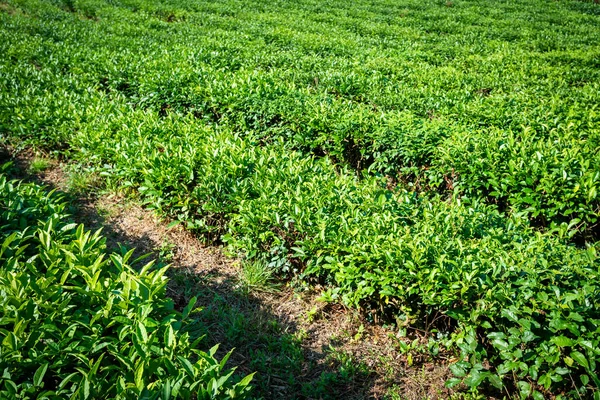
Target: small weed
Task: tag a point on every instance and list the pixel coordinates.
(426, 383)
(81, 182)
(184, 284)
(38, 165)
(300, 335)
(347, 371)
(359, 333)
(166, 251)
(106, 211)
(311, 314)
(257, 276)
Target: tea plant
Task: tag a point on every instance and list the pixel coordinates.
(419, 158)
(511, 291)
(415, 90)
(79, 322)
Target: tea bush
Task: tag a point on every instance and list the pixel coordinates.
(425, 160)
(79, 322)
(521, 302)
(428, 92)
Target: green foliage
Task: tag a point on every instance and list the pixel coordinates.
(212, 110)
(82, 182)
(78, 322)
(349, 369)
(38, 165)
(499, 99)
(509, 289)
(547, 177)
(257, 276)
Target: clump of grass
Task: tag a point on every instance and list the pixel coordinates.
(82, 182)
(257, 277)
(346, 370)
(39, 164)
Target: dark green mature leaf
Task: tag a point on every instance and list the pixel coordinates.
(452, 382)
(457, 370)
(189, 307)
(475, 378)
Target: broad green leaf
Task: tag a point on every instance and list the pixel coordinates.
(450, 383)
(187, 366)
(580, 359)
(38, 377)
(141, 333)
(457, 370)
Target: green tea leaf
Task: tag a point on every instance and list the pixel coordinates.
(580, 359)
(38, 377)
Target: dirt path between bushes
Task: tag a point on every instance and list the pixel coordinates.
(301, 348)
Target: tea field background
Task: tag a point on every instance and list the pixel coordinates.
(423, 160)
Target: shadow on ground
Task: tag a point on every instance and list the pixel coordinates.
(263, 341)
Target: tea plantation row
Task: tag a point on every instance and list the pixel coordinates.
(495, 99)
(77, 321)
(211, 111)
(522, 300)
